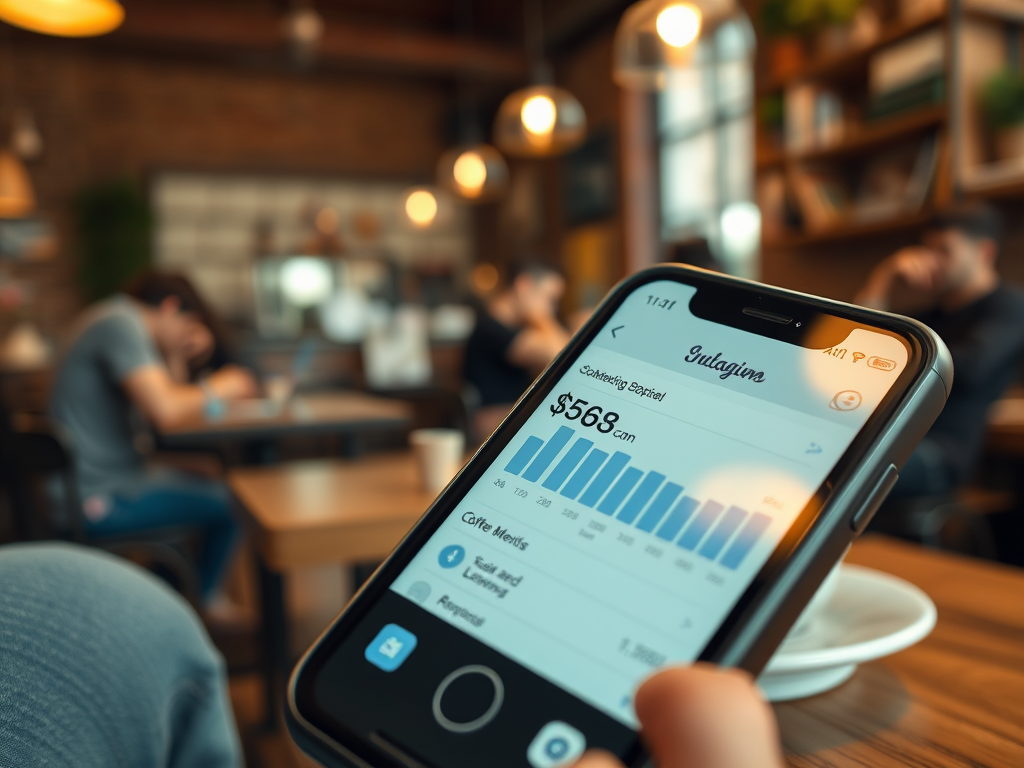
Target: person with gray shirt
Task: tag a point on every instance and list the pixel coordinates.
(133, 353)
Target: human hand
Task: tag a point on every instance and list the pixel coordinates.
(917, 267)
(702, 717)
(233, 383)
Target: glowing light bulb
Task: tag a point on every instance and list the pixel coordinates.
(470, 173)
(538, 115)
(65, 18)
(678, 25)
(421, 208)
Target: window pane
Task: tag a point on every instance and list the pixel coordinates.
(738, 158)
(688, 188)
(684, 101)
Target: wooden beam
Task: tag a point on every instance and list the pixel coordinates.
(257, 32)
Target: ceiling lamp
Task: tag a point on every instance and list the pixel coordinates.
(16, 196)
(64, 18)
(476, 173)
(542, 119)
(657, 36)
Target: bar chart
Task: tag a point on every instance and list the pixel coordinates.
(646, 500)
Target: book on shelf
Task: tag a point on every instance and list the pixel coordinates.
(814, 117)
(821, 196)
(907, 75)
(771, 196)
(896, 182)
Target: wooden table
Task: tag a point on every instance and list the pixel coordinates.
(329, 511)
(320, 413)
(314, 512)
(955, 699)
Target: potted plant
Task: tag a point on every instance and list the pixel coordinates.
(785, 37)
(1002, 103)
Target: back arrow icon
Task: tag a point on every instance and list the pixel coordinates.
(619, 328)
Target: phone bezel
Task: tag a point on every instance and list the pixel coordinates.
(737, 293)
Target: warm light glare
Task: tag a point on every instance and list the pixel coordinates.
(538, 115)
(678, 25)
(65, 18)
(470, 173)
(485, 278)
(421, 208)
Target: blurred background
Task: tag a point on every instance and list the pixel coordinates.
(349, 183)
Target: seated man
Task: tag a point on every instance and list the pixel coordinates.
(516, 335)
(135, 352)
(950, 284)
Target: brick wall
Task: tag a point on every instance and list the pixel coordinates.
(104, 113)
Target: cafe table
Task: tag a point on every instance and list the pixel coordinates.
(954, 699)
(260, 421)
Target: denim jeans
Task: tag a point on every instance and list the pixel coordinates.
(102, 666)
(169, 498)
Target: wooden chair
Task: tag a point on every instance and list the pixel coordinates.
(38, 472)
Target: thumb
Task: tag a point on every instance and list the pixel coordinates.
(707, 717)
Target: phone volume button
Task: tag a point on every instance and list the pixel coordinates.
(878, 494)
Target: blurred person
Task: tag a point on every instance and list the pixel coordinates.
(137, 352)
(950, 283)
(517, 333)
(101, 665)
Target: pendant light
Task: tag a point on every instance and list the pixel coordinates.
(64, 18)
(476, 173)
(655, 37)
(542, 119)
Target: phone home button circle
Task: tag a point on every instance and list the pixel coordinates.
(468, 699)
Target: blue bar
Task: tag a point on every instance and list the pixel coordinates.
(640, 497)
(751, 532)
(681, 513)
(604, 478)
(726, 527)
(659, 507)
(568, 463)
(582, 475)
(618, 492)
(695, 531)
(523, 455)
(547, 454)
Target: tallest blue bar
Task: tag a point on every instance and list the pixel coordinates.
(547, 454)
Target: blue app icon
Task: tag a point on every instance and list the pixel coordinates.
(390, 647)
(451, 556)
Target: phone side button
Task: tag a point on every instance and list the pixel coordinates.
(863, 516)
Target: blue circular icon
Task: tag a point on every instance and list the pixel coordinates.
(451, 556)
(556, 747)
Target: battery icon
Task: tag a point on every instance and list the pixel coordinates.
(881, 363)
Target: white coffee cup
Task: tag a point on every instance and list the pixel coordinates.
(439, 452)
(279, 388)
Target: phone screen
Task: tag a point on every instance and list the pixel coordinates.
(629, 513)
(617, 530)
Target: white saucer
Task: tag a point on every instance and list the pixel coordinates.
(870, 615)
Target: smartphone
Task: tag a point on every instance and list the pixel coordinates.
(672, 488)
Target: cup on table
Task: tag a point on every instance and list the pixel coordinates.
(278, 389)
(439, 454)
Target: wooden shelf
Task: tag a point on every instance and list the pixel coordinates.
(852, 62)
(848, 231)
(865, 140)
(1006, 10)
